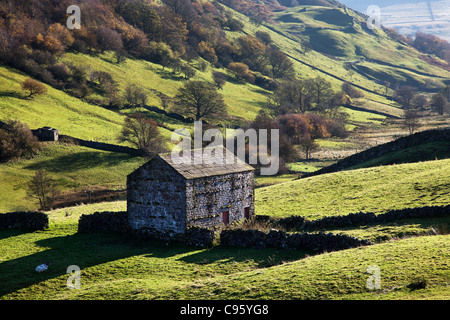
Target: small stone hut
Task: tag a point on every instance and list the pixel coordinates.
(46, 134)
(165, 198)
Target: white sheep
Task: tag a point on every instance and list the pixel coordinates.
(43, 267)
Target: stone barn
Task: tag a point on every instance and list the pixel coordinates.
(165, 198)
(46, 134)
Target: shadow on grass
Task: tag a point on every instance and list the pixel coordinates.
(90, 249)
(13, 94)
(80, 161)
(83, 250)
(262, 257)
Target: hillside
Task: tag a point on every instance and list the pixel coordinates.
(376, 189)
(335, 89)
(422, 146)
(75, 168)
(409, 16)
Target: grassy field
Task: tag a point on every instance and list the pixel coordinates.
(376, 189)
(114, 267)
(73, 167)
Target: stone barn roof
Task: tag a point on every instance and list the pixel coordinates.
(207, 168)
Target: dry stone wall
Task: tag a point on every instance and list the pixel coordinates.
(24, 220)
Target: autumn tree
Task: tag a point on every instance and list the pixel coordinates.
(200, 100)
(108, 40)
(159, 52)
(207, 52)
(33, 87)
(299, 126)
(241, 71)
(142, 133)
(61, 33)
(252, 51)
(219, 79)
(135, 96)
(44, 188)
(144, 17)
(16, 141)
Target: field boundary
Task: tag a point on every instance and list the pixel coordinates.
(380, 150)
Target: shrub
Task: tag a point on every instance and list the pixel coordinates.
(241, 71)
(16, 141)
(33, 87)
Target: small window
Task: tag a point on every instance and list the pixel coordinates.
(226, 217)
(247, 213)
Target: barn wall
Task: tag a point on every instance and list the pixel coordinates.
(208, 197)
(156, 201)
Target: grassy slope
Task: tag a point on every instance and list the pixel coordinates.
(341, 275)
(243, 100)
(424, 152)
(377, 189)
(113, 267)
(332, 31)
(75, 117)
(56, 109)
(72, 167)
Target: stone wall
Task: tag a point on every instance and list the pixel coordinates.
(299, 223)
(156, 200)
(208, 197)
(199, 237)
(378, 151)
(105, 221)
(24, 220)
(101, 145)
(314, 242)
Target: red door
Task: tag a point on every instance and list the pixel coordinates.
(247, 213)
(225, 217)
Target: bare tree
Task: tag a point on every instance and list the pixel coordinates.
(405, 96)
(44, 188)
(143, 133)
(438, 103)
(411, 120)
(308, 146)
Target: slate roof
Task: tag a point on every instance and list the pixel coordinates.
(209, 166)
